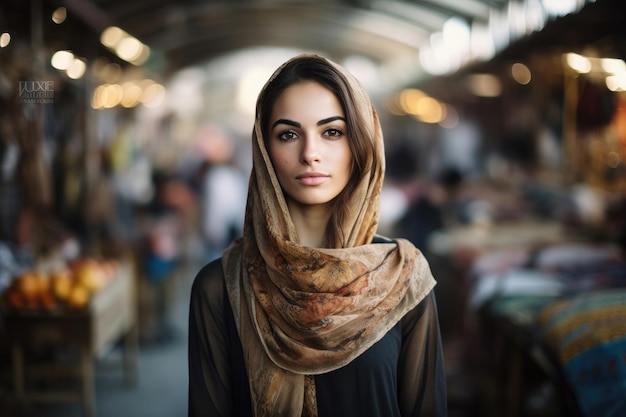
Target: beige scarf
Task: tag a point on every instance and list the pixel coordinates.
(302, 311)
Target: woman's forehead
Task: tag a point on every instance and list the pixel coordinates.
(307, 97)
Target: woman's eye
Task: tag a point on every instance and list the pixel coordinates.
(333, 132)
(287, 135)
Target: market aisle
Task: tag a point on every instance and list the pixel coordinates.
(161, 390)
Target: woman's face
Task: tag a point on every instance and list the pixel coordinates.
(308, 144)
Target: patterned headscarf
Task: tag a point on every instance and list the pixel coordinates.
(302, 311)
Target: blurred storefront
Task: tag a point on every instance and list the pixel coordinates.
(112, 113)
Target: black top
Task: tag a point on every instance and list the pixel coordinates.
(401, 375)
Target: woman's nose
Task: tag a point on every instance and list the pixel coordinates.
(310, 150)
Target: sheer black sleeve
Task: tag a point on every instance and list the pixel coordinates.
(210, 376)
(421, 373)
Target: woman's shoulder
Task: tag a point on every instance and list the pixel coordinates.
(208, 285)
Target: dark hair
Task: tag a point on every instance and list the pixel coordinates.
(361, 142)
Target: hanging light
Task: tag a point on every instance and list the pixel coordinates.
(62, 60)
(59, 15)
(5, 39)
(125, 46)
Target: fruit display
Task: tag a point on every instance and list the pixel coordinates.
(71, 285)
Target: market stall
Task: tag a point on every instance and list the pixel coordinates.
(543, 318)
(87, 309)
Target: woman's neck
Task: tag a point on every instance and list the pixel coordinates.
(310, 223)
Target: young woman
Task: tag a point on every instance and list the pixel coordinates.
(311, 313)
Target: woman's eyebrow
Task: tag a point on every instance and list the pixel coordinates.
(330, 119)
(296, 124)
(286, 122)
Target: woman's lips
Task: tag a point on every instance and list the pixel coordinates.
(312, 178)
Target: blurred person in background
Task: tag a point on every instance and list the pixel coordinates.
(433, 209)
(311, 312)
(222, 191)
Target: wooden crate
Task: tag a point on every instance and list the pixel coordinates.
(109, 317)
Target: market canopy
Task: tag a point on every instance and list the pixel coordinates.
(416, 38)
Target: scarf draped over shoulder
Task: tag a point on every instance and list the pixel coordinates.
(302, 311)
